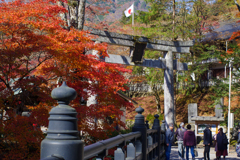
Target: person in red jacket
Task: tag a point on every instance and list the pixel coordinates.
(189, 141)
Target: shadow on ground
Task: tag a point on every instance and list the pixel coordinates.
(174, 155)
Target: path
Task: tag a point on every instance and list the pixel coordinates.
(174, 154)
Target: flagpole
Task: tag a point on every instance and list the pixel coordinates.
(133, 16)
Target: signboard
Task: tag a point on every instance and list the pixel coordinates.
(202, 127)
(213, 128)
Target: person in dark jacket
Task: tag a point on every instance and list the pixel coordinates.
(221, 144)
(207, 141)
(169, 139)
(238, 135)
(238, 142)
(179, 134)
(189, 140)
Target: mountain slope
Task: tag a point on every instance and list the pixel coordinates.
(118, 7)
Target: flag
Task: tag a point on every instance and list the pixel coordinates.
(129, 11)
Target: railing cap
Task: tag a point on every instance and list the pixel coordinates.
(64, 93)
(156, 116)
(139, 110)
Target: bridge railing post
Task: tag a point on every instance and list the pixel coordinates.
(156, 125)
(139, 125)
(162, 140)
(62, 136)
(118, 154)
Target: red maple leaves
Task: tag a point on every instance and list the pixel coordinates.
(36, 51)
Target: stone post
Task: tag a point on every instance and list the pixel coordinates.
(219, 108)
(169, 89)
(118, 154)
(63, 136)
(131, 151)
(192, 112)
(139, 125)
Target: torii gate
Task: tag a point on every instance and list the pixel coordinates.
(137, 46)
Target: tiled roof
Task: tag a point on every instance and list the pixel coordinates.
(222, 32)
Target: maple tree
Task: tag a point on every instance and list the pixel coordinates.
(232, 54)
(36, 49)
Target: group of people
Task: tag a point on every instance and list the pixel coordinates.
(186, 139)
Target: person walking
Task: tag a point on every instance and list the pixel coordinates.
(180, 134)
(222, 143)
(189, 140)
(238, 136)
(238, 144)
(207, 142)
(169, 139)
(215, 143)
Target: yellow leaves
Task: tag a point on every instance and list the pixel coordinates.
(39, 106)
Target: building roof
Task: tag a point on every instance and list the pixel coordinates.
(207, 118)
(223, 31)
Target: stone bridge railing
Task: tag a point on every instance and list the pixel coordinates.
(63, 142)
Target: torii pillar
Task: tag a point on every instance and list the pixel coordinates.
(169, 108)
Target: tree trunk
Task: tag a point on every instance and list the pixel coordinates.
(157, 97)
(237, 5)
(76, 14)
(72, 11)
(64, 15)
(81, 14)
(173, 28)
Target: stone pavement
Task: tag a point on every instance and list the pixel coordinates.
(232, 154)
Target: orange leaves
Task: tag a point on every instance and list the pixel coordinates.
(34, 41)
(33, 13)
(235, 35)
(230, 51)
(238, 14)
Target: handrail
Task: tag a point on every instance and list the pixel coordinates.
(144, 143)
(138, 156)
(96, 148)
(150, 148)
(150, 131)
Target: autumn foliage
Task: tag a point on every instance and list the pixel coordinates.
(35, 50)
